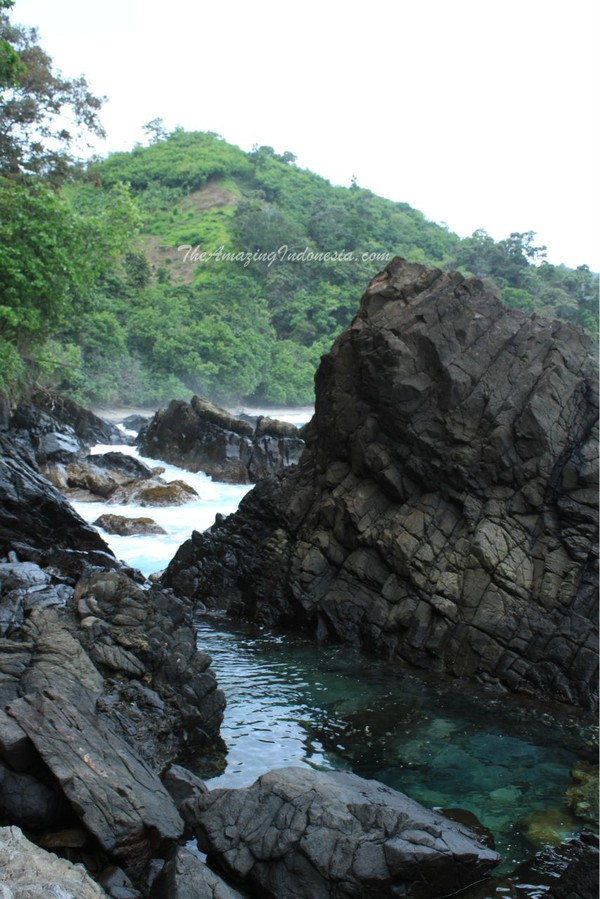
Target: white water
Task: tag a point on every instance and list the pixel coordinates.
(152, 553)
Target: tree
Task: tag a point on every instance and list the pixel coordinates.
(35, 104)
(155, 130)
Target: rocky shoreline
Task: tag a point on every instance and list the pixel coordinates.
(420, 487)
(445, 509)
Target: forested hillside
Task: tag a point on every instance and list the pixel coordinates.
(188, 265)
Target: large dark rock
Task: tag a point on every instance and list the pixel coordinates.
(118, 797)
(444, 511)
(186, 877)
(297, 832)
(145, 642)
(37, 522)
(52, 413)
(579, 880)
(200, 436)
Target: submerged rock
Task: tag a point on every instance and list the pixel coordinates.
(297, 832)
(200, 436)
(444, 511)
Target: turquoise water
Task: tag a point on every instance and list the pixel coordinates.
(446, 745)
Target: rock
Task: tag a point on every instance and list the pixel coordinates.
(182, 784)
(28, 802)
(136, 422)
(548, 827)
(58, 447)
(126, 527)
(126, 468)
(28, 872)
(48, 412)
(200, 436)
(118, 798)
(186, 877)
(16, 749)
(154, 492)
(444, 511)
(103, 473)
(580, 878)
(297, 832)
(117, 884)
(149, 634)
(37, 522)
(582, 798)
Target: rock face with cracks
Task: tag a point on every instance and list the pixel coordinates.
(444, 511)
(296, 833)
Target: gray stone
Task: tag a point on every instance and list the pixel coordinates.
(118, 798)
(28, 872)
(186, 877)
(297, 832)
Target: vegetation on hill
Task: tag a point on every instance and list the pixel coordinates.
(189, 265)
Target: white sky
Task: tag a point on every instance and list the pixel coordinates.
(480, 114)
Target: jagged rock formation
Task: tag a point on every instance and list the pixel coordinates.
(444, 511)
(101, 686)
(200, 436)
(297, 832)
(37, 522)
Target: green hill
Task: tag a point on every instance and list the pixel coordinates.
(245, 267)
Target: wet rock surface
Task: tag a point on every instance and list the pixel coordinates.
(200, 436)
(297, 832)
(444, 511)
(127, 527)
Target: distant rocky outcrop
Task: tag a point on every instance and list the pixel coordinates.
(57, 426)
(444, 511)
(200, 436)
(297, 832)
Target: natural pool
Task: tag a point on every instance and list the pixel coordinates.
(446, 744)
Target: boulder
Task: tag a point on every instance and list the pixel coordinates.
(444, 511)
(127, 527)
(297, 832)
(104, 473)
(186, 877)
(37, 522)
(201, 436)
(579, 879)
(48, 412)
(28, 872)
(154, 492)
(118, 798)
(165, 698)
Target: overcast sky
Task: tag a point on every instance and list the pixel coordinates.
(480, 114)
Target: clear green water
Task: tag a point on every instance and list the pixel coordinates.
(445, 744)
